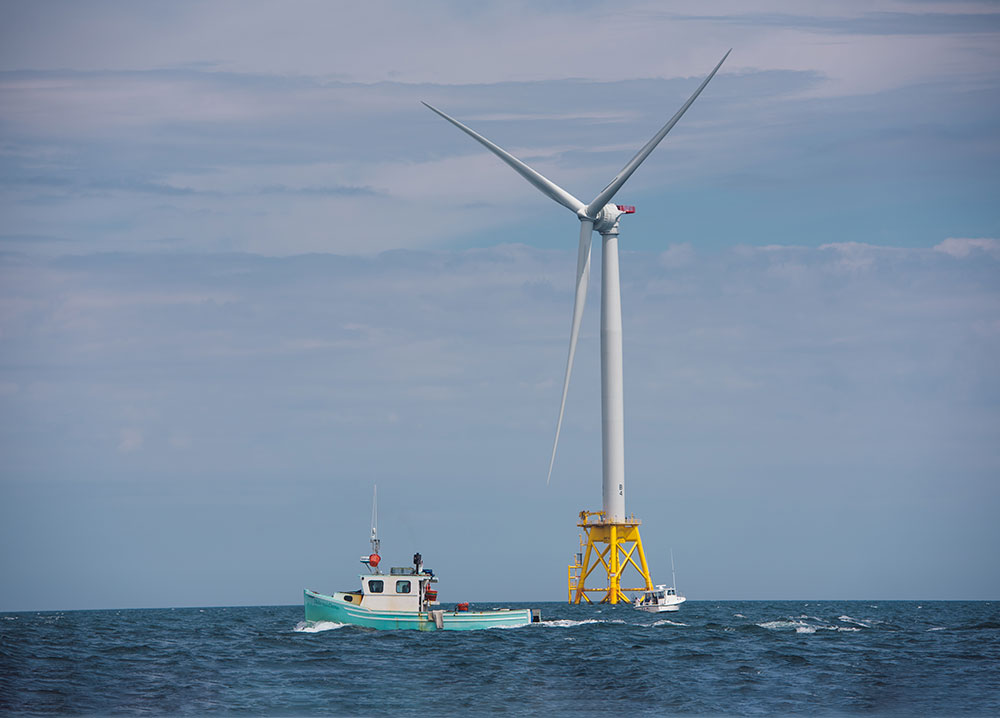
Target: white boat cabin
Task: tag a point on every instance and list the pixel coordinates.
(662, 596)
(402, 589)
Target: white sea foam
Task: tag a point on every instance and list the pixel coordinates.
(802, 626)
(508, 628)
(667, 622)
(855, 621)
(738, 615)
(777, 625)
(938, 628)
(316, 626)
(567, 623)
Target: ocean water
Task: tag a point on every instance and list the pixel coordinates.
(710, 658)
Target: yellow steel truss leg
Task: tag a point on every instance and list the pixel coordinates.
(613, 584)
(612, 545)
(584, 572)
(645, 567)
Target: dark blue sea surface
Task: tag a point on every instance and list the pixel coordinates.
(711, 658)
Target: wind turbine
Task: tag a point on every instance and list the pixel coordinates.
(619, 534)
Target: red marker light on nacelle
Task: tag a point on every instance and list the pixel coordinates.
(626, 208)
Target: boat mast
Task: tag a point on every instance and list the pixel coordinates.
(673, 576)
(374, 559)
(375, 541)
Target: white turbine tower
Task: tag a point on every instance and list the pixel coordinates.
(612, 528)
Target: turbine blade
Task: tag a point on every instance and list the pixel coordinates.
(582, 279)
(608, 192)
(547, 186)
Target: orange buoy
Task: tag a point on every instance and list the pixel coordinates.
(464, 606)
(374, 559)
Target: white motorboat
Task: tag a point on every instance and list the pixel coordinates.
(663, 598)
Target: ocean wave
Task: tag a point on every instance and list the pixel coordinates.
(512, 627)
(667, 622)
(568, 623)
(985, 625)
(316, 626)
(776, 625)
(855, 621)
(802, 626)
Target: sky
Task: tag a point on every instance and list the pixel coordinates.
(245, 276)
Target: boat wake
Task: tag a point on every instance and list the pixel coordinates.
(316, 626)
(568, 623)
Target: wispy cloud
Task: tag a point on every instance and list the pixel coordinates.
(913, 22)
(963, 247)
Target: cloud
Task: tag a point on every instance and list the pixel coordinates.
(962, 248)
(432, 333)
(678, 255)
(286, 146)
(912, 22)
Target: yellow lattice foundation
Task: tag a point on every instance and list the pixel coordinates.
(621, 542)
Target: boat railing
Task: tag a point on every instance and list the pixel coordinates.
(410, 571)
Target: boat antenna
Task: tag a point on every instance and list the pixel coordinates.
(673, 576)
(372, 560)
(375, 541)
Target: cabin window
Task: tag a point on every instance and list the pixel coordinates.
(375, 586)
(402, 586)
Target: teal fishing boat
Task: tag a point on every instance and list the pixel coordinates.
(404, 599)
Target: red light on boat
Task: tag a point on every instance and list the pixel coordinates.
(374, 559)
(626, 208)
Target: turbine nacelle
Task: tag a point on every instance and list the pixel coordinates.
(606, 221)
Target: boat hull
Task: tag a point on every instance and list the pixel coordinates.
(339, 608)
(660, 609)
(669, 605)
